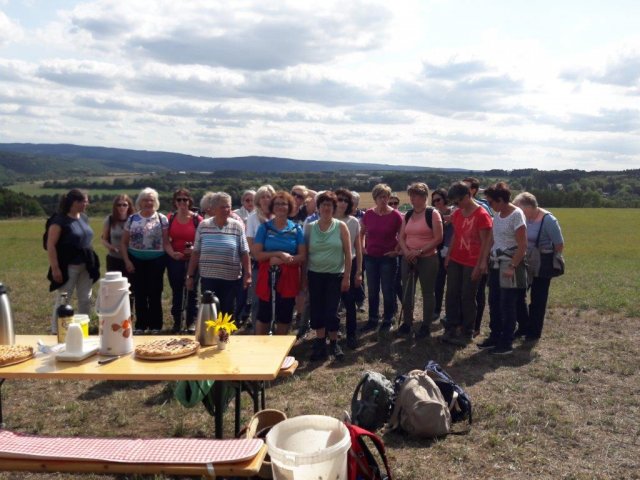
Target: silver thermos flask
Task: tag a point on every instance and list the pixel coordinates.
(7, 334)
(208, 311)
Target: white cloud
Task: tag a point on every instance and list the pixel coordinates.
(10, 30)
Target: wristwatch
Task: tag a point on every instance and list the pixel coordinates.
(189, 276)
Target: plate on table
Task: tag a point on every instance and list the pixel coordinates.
(13, 354)
(167, 349)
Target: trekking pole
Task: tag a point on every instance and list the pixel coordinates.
(273, 270)
(409, 287)
(183, 307)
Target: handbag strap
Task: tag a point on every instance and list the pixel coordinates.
(540, 231)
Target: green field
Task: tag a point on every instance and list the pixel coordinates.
(602, 256)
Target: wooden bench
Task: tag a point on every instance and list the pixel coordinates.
(21, 452)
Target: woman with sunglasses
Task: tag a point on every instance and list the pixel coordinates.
(112, 230)
(183, 223)
(247, 206)
(439, 202)
(279, 243)
(300, 194)
(343, 213)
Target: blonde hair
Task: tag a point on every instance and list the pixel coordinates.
(148, 192)
(381, 189)
(526, 199)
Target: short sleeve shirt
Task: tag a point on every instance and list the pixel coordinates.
(504, 230)
(286, 240)
(146, 233)
(221, 248)
(381, 231)
(466, 247)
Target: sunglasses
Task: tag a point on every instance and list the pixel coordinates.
(393, 204)
(122, 204)
(343, 200)
(182, 199)
(436, 200)
(297, 195)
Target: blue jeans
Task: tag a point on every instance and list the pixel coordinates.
(502, 309)
(381, 274)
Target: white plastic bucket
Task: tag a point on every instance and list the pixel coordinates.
(309, 447)
(114, 312)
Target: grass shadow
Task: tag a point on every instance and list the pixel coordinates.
(109, 387)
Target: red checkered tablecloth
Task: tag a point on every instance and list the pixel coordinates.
(123, 450)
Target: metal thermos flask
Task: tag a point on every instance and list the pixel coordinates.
(209, 305)
(7, 333)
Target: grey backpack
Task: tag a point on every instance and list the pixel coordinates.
(372, 401)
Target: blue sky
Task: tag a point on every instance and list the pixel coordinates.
(442, 83)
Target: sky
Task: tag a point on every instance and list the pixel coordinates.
(430, 83)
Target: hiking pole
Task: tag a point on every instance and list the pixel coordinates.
(273, 270)
(409, 287)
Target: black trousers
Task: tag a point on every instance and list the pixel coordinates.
(148, 282)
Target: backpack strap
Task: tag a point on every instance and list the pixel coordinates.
(354, 398)
(540, 231)
(428, 216)
(356, 432)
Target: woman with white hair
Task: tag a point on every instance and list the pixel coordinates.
(543, 234)
(220, 253)
(248, 205)
(144, 240)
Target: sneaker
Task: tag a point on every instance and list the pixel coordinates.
(404, 330)
(501, 350)
(138, 331)
(487, 343)
(336, 351)
(360, 307)
(423, 332)
(369, 326)
(476, 333)
(352, 342)
(155, 331)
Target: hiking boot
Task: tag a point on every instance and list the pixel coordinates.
(384, 328)
(459, 340)
(319, 352)
(501, 350)
(404, 330)
(360, 307)
(488, 343)
(336, 350)
(369, 326)
(423, 332)
(352, 342)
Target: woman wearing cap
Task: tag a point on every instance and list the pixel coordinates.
(182, 233)
(145, 238)
(380, 228)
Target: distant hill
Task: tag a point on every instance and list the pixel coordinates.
(120, 159)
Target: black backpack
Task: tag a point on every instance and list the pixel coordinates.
(428, 215)
(45, 235)
(455, 396)
(372, 401)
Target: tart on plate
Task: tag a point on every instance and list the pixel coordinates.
(167, 349)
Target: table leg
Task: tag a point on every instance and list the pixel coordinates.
(218, 394)
(1, 419)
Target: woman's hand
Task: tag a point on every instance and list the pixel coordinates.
(129, 266)
(246, 281)
(275, 261)
(56, 273)
(345, 284)
(177, 255)
(189, 283)
(357, 280)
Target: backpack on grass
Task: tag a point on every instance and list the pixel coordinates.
(362, 463)
(420, 409)
(372, 401)
(455, 396)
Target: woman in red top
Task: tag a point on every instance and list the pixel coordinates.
(466, 262)
(182, 232)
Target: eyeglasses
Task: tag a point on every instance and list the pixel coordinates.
(394, 204)
(343, 200)
(122, 204)
(436, 200)
(182, 199)
(297, 195)
(280, 204)
(248, 200)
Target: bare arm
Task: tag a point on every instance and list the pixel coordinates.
(106, 234)
(52, 251)
(345, 236)
(124, 250)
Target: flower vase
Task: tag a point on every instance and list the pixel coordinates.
(222, 345)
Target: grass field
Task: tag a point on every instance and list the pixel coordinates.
(567, 407)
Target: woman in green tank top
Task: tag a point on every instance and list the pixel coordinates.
(329, 271)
